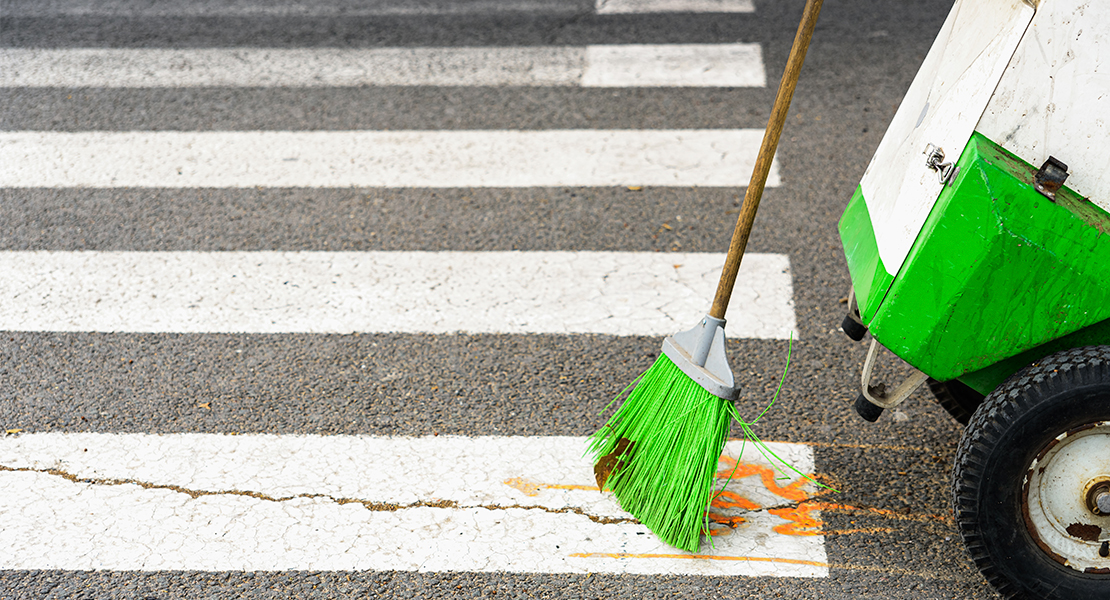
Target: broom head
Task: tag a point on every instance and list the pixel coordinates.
(658, 453)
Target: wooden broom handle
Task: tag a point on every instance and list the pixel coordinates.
(763, 161)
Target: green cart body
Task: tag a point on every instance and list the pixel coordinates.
(978, 244)
(974, 277)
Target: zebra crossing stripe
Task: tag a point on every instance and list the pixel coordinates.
(612, 7)
(685, 65)
(285, 8)
(616, 293)
(207, 502)
(355, 8)
(671, 65)
(434, 159)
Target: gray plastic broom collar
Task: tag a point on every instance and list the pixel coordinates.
(709, 327)
(700, 354)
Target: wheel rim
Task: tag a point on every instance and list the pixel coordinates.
(1063, 489)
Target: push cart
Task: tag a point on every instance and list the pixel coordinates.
(978, 243)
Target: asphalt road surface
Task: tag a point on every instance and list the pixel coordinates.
(888, 533)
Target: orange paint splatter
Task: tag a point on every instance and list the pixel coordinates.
(726, 499)
(801, 520)
(729, 520)
(737, 470)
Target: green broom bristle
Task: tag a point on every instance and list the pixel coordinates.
(660, 450)
(677, 430)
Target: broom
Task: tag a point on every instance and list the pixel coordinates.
(658, 453)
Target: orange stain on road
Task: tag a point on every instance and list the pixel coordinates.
(800, 520)
(738, 470)
(727, 499)
(882, 512)
(532, 488)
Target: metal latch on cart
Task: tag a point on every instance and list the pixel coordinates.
(1050, 177)
(873, 399)
(934, 158)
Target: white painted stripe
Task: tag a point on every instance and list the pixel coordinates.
(618, 293)
(320, 8)
(284, 8)
(446, 503)
(610, 7)
(674, 65)
(691, 157)
(281, 67)
(686, 65)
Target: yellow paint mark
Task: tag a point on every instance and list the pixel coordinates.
(532, 488)
(788, 561)
(863, 530)
(840, 445)
(882, 512)
(568, 486)
(785, 561)
(13, 431)
(894, 571)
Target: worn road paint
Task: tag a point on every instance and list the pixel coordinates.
(610, 7)
(674, 65)
(670, 65)
(434, 159)
(285, 8)
(616, 293)
(437, 503)
(355, 8)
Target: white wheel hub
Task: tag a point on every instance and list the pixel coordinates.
(1065, 490)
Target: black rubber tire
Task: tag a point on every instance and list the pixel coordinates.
(869, 412)
(852, 328)
(1016, 421)
(957, 398)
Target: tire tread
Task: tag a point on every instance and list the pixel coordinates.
(1018, 395)
(955, 397)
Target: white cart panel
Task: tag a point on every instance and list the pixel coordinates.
(942, 107)
(1054, 98)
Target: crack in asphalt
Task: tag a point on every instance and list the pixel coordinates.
(367, 504)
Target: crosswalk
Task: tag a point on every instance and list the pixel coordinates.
(126, 501)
